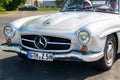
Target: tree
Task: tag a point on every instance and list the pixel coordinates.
(13, 4)
(0, 6)
(36, 2)
(2, 2)
(59, 3)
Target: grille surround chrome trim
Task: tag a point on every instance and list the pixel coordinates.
(51, 51)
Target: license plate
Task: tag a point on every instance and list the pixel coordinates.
(40, 56)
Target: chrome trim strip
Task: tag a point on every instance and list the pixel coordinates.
(86, 58)
(78, 55)
(13, 49)
(51, 51)
(58, 43)
(27, 40)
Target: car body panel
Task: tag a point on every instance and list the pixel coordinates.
(28, 8)
(60, 20)
(36, 25)
(67, 26)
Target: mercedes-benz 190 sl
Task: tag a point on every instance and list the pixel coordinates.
(83, 30)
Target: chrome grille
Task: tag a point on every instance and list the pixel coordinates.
(52, 43)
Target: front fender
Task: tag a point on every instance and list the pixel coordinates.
(108, 32)
(19, 22)
(111, 31)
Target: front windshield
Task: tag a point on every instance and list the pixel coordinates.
(90, 5)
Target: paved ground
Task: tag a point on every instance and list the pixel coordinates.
(14, 68)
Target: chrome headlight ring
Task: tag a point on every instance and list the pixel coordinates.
(9, 32)
(84, 37)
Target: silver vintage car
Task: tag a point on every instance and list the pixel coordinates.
(83, 30)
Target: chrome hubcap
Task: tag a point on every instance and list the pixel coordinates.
(110, 52)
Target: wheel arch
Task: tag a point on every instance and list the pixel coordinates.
(109, 32)
(112, 31)
(116, 38)
(107, 61)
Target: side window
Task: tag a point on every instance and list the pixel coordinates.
(119, 6)
(114, 4)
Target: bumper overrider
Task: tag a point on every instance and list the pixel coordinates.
(87, 58)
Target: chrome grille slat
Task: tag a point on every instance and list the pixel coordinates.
(27, 40)
(58, 43)
(53, 43)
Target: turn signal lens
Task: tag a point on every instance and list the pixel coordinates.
(84, 48)
(8, 42)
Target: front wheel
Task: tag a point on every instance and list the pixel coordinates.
(109, 54)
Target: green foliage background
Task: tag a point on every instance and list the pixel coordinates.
(59, 3)
(10, 4)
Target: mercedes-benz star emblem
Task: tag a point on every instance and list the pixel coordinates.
(40, 42)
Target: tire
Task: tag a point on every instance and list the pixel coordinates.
(22, 56)
(109, 54)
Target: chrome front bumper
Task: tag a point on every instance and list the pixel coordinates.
(77, 55)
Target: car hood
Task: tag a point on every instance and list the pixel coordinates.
(65, 20)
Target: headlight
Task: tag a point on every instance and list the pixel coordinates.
(9, 32)
(84, 37)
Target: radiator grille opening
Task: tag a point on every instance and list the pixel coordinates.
(52, 43)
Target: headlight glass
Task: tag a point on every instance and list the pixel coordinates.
(9, 32)
(84, 37)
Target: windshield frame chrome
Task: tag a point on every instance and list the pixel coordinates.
(116, 11)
